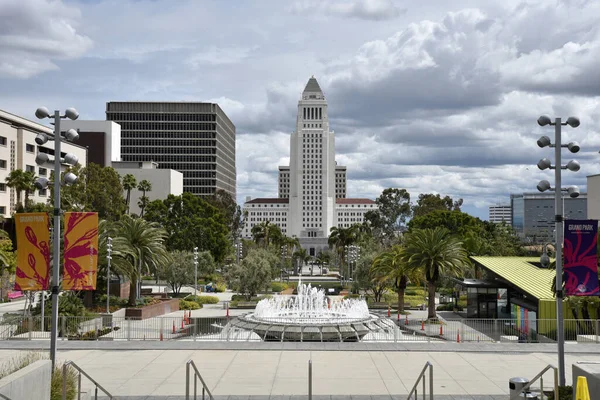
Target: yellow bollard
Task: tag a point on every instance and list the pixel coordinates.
(582, 392)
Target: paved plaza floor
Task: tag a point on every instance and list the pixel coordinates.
(141, 369)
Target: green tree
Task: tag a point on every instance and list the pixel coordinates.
(229, 208)
(372, 281)
(340, 239)
(301, 257)
(429, 202)
(143, 249)
(437, 254)
(129, 183)
(191, 222)
(266, 234)
(181, 270)
(254, 274)
(323, 258)
(456, 222)
(144, 186)
(393, 205)
(21, 181)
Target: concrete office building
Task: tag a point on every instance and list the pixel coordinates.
(533, 213)
(500, 213)
(102, 139)
(312, 189)
(593, 195)
(18, 150)
(164, 181)
(196, 139)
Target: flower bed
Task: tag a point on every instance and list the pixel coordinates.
(153, 310)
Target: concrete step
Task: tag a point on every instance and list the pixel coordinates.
(315, 397)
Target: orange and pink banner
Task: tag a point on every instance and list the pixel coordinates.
(33, 251)
(81, 251)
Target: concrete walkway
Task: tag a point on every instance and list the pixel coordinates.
(267, 371)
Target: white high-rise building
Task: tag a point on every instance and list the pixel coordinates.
(312, 189)
(500, 213)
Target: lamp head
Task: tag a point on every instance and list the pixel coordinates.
(543, 164)
(41, 138)
(42, 158)
(544, 120)
(70, 159)
(544, 141)
(573, 122)
(543, 186)
(573, 165)
(42, 113)
(71, 113)
(70, 178)
(573, 191)
(544, 259)
(41, 183)
(573, 147)
(72, 135)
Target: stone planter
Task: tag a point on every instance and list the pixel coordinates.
(155, 310)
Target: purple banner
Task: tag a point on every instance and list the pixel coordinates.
(581, 261)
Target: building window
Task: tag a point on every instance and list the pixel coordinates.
(2, 141)
(29, 148)
(2, 187)
(2, 210)
(30, 168)
(43, 171)
(43, 192)
(3, 164)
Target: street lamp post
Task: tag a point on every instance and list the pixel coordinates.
(42, 183)
(108, 258)
(195, 271)
(573, 191)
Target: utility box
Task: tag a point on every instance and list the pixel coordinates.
(516, 385)
(591, 371)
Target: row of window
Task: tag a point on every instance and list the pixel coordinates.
(312, 113)
(313, 125)
(116, 116)
(136, 149)
(169, 135)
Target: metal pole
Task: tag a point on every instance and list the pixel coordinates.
(559, 242)
(43, 311)
(195, 271)
(108, 258)
(56, 244)
(309, 379)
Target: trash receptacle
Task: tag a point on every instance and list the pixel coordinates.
(225, 305)
(516, 385)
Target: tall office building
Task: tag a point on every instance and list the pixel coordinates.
(533, 213)
(312, 189)
(196, 139)
(500, 213)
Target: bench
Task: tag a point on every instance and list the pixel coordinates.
(12, 295)
(146, 291)
(246, 304)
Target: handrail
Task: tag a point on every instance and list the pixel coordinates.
(4, 397)
(196, 375)
(540, 377)
(81, 371)
(422, 377)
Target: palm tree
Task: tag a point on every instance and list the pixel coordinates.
(143, 248)
(129, 183)
(21, 181)
(144, 186)
(391, 266)
(340, 238)
(435, 252)
(322, 259)
(302, 256)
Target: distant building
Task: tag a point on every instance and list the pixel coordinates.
(164, 181)
(312, 189)
(102, 139)
(533, 213)
(593, 194)
(196, 139)
(500, 213)
(18, 150)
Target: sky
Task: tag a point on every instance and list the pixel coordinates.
(433, 96)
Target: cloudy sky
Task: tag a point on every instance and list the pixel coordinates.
(432, 96)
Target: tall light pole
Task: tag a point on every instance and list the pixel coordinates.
(42, 183)
(108, 258)
(195, 271)
(573, 191)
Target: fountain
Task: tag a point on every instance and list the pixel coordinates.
(311, 316)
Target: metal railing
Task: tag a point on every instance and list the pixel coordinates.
(541, 378)
(81, 372)
(196, 377)
(4, 397)
(225, 329)
(422, 378)
(309, 379)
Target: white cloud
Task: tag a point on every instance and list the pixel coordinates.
(35, 33)
(219, 56)
(363, 9)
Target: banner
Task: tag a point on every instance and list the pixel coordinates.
(33, 251)
(81, 251)
(581, 261)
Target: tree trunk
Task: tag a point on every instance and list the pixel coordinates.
(132, 292)
(401, 300)
(431, 302)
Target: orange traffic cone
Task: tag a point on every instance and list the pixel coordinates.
(173, 326)
(406, 320)
(458, 337)
(227, 311)
(398, 317)
(422, 325)
(161, 337)
(182, 327)
(441, 330)
(389, 312)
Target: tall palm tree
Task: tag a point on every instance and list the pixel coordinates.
(144, 186)
(21, 181)
(435, 252)
(302, 256)
(391, 266)
(340, 239)
(142, 246)
(129, 183)
(322, 259)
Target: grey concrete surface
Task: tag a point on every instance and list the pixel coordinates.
(31, 382)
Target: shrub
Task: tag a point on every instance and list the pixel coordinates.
(203, 299)
(113, 301)
(188, 305)
(410, 292)
(278, 286)
(445, 307)
(220, 287)
(56, 383)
